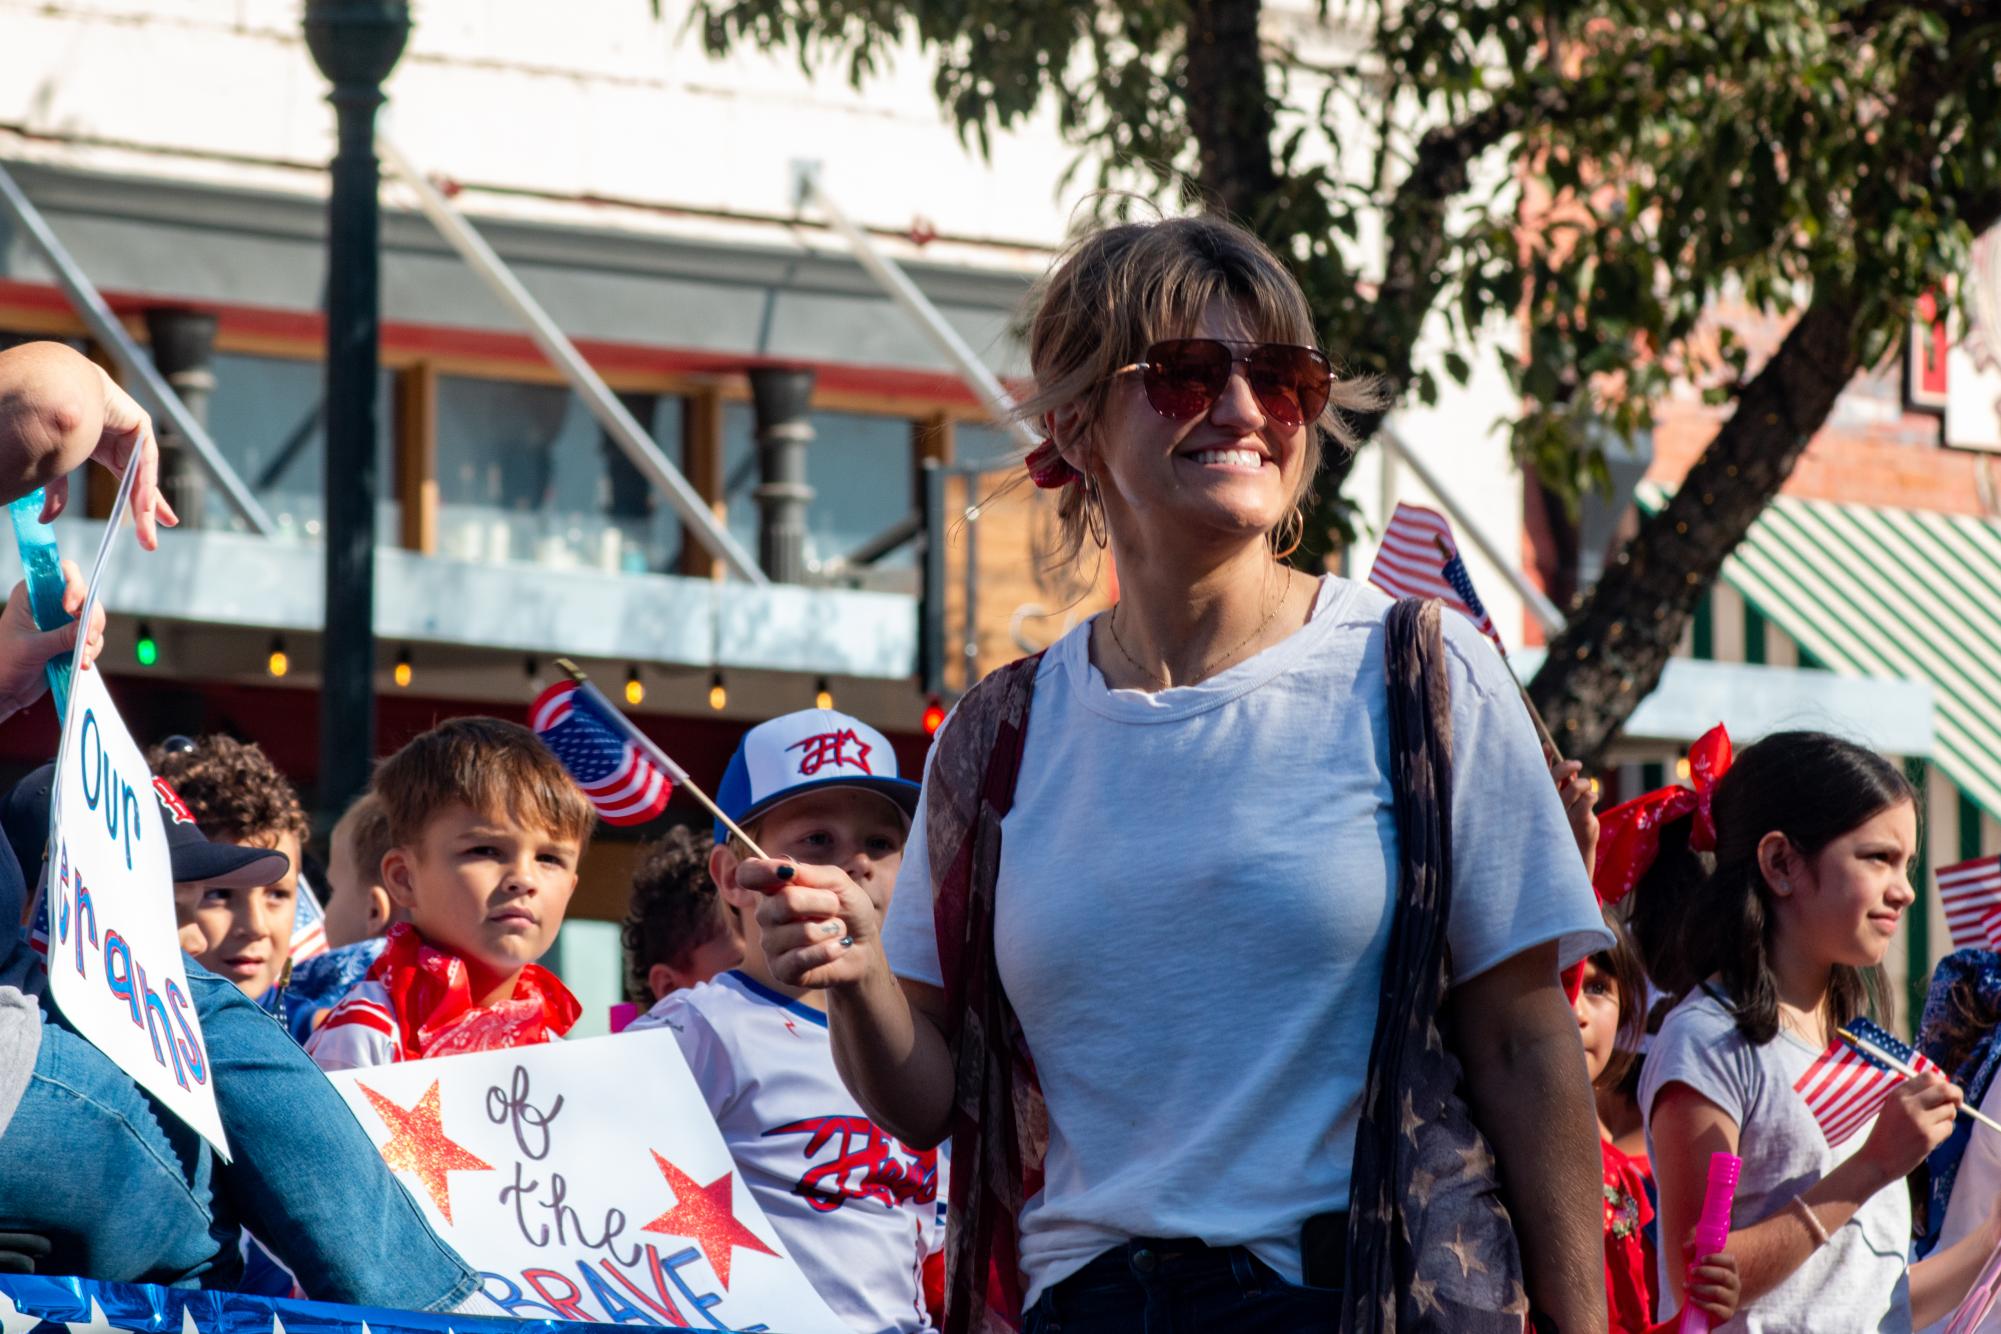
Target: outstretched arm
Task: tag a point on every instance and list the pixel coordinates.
(820, 930)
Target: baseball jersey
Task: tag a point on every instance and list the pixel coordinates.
(858, 1210)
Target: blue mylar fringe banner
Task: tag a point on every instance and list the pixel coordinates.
(36, 1304)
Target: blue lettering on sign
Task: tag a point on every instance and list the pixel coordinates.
(106, 788)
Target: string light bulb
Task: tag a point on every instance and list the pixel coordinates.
(403, 672)
(823, 696)
(719, 695)
(934, 715)
(278, 663)
(146, 649)
(635, 689)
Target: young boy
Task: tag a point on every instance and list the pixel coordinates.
(858, 1210)
(678, 931)
(359, 908)
(232, 792)
(359, 912)
(485, 834)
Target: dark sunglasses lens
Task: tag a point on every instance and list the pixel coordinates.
(1291, 383)
(1185, 376)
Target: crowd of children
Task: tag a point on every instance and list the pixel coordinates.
(449, 879)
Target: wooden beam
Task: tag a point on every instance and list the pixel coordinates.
(416, 426)
(702, 463)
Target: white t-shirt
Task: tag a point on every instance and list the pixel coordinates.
(858, 1210)
(1858, 1281)
(1194, 901)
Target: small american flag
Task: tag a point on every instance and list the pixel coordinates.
(309, 925)
(1418, 558)
(1971, 895)
(1845, 1085)
(626, 778)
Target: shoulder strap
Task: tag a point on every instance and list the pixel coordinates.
(969, 787)
(1420, 734)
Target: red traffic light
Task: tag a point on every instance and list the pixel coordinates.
(934, 716)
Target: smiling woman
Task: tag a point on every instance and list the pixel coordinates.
(1198, 847)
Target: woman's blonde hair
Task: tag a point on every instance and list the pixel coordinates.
(1115, 292)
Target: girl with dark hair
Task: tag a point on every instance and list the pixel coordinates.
(1773, 947)
(1611, 1013)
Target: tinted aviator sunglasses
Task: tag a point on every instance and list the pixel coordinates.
(1184, 377)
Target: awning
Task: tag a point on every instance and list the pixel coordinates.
(1889, 593)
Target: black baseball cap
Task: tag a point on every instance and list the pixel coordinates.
(25, 817)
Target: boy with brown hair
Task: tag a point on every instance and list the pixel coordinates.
(486, 830)
(236, 796)
(678, 932)
(358, 913)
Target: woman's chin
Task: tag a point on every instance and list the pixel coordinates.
(1225, 518)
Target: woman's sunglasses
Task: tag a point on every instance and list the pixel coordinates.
(1184, 377)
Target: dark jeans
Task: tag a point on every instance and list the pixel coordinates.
(1151, 1286)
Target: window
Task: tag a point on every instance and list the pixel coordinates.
(860, 469)
(526, 473)
(265, 417)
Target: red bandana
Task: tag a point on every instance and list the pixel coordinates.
(430, 991)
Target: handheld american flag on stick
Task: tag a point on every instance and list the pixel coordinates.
(1970, 893)
(1847, 1083)
(625, 776)
(1419, 558)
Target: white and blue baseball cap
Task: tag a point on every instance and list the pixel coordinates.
(801, 752)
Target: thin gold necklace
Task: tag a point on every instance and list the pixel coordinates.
(1809, 1026)
(1213, 663)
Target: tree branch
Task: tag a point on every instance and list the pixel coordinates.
(1614, 649)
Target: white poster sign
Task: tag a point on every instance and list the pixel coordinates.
(586, 1181)
(114, 953)
(115, 966)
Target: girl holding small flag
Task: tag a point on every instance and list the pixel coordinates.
(1775, 946)
(1146, 919)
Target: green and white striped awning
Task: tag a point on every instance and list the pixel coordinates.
(1891, 593)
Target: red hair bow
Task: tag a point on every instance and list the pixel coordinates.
(1629, 835)
(1048, 469)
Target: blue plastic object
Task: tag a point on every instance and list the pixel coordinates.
(43, 563)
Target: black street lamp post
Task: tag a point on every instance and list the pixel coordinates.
(355, 43)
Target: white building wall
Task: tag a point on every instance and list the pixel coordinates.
(604, 116)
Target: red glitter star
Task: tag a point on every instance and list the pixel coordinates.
(705, 1215)
(418, 1145)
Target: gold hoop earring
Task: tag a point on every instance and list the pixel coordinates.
(1296, 523)
(1094, 512)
